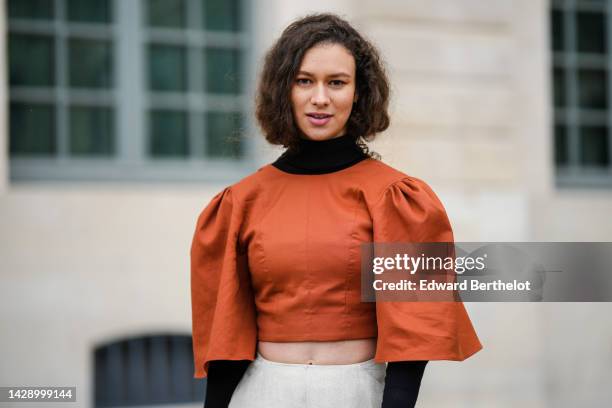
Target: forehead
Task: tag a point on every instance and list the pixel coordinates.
(327, 59)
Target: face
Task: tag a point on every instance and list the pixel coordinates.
(323, 91)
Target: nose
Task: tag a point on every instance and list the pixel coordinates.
(319, 96)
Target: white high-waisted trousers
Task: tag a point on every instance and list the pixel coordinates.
(268, 384)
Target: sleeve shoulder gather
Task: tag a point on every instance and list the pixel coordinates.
(408, 211)
(223, 311)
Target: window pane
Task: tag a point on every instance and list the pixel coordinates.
(222, 70)
(90, 11)
(136, 371)
(91, 131)
(164, 13)
(115, 363)
(224, 134)
(101, 374)
(592, 88)
(32, 60)
(181, 363)
(34, 9)
(557, 30)
(159, 367)
(169, 134)
(594, 146)
(32, 128)
(561, 157)
(559, 86)
(591, 32)
(146, 372)
(90, 63)
(167, 68)
(221, 15)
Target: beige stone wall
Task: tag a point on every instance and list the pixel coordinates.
(86, 264)
(452, 66)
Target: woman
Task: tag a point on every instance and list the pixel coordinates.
(278, 319)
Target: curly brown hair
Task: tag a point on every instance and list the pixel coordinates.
(281, 64)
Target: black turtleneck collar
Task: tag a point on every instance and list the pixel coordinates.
(319, 157)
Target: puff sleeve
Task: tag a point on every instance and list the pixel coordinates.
(409, 211)
(223, 310)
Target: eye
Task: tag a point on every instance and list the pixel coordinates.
(302, 81)
(337, 82)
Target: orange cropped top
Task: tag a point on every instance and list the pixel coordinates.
(276, 257)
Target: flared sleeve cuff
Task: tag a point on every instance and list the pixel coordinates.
(223, 310)
(409, 212)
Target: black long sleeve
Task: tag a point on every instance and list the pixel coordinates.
(402, 383)
(223, 378)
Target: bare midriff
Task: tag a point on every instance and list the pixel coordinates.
(319, 352)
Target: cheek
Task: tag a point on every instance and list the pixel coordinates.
(298, 107)
(346, 103)
(297, 97)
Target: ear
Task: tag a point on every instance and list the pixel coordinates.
(355, 98)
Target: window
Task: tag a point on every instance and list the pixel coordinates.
(128, 90)
(146, 370)
(581, 36)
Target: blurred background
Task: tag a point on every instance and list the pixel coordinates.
(122, 118)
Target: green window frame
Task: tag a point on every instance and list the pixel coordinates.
(581, 44)
(130, 90)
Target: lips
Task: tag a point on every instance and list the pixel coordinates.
(318, 119)
(319, 115)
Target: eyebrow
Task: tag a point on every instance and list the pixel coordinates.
(335, 75)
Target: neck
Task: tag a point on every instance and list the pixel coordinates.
(319, 157)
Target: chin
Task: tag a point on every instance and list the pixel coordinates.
(320, 136)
